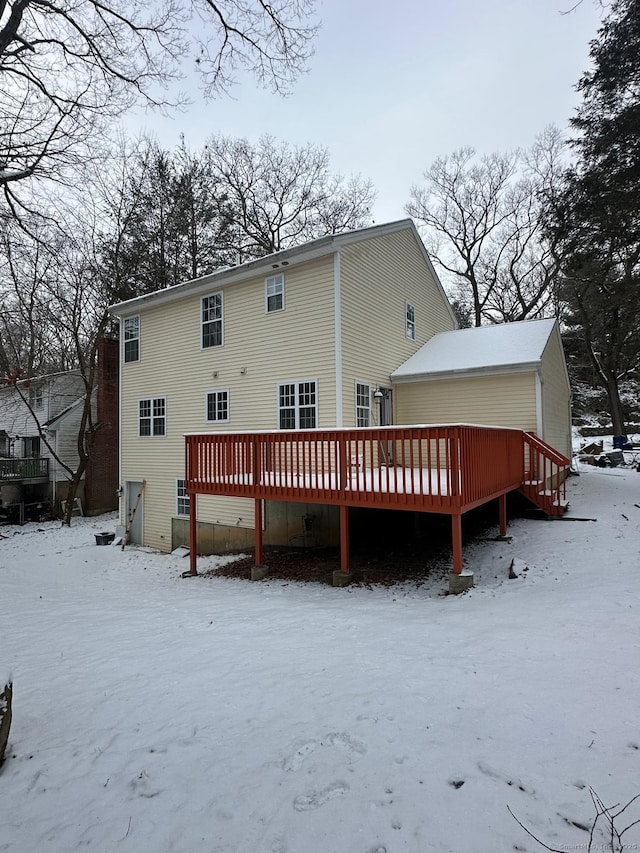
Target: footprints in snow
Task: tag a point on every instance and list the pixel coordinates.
(349, 747)
(354, 749)
(315, 799)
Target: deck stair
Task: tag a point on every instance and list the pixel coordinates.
(545, 475)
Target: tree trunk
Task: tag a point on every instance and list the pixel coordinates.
(615, 405)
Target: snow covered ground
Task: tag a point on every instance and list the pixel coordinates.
(158, 714)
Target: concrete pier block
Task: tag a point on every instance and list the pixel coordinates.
(460, 583)
(258, 573)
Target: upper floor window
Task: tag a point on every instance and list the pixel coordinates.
(212, 320)
(131, 330)
(182, 498)
(152, 416)
(218, 406)
(36, 398)
(363, 404)
(411, 321)
(274, 292)
(298, 405)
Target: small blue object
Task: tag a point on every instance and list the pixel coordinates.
(621, 442)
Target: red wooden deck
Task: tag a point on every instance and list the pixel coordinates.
(443, 469)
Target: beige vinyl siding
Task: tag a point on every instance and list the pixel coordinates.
(294, 344)
(377, 277)
(503, 400)
(556, 396)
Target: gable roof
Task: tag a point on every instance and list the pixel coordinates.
(487, 349)
(320, 247)
(68, 409)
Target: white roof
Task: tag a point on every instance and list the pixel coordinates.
(488, 349)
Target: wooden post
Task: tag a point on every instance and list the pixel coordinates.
(344, 539)
(193, 534)
(456, 535)
(503, 514)
(258, 529)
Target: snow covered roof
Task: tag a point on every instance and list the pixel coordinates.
(488, 349)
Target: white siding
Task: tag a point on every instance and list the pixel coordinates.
(294, 344)
(505, 400)
(556, 396)
(378, 277)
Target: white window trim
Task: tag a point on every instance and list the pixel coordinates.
(151, 434)
(410, 325)
(217, 391)
(219, 293)
(36, 398)
(180, 497)
(297, 383)
(124, 339)
(269, 278)
(355, 398)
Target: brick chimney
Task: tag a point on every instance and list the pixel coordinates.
(101, 477)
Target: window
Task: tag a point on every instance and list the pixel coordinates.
(153, 416)
(298, 405)
(31, 447)
(274, 292)
(36, 398)
(363, 404)
(411, 321)
(131, 331)
(212, 321)
(182, 498)
(218, 406)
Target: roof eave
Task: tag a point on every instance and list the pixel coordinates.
(318, 248)
(491, 370)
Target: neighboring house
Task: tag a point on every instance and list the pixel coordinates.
(312, 337)
(45, 412)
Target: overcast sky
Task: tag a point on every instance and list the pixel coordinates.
(395, 84)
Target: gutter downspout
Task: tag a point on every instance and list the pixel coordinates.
(337, 323)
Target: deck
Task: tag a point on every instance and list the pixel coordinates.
(438, 469)
(24, 470)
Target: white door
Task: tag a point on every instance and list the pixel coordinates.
(135, 511)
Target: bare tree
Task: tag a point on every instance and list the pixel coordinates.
(53, 324)
(481, 219)
(68, 67)
(278, 195)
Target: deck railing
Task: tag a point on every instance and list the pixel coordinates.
(545, 475)
(436, 468)
(23, 469)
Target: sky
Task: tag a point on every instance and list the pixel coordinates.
(393, 86)
(216, 715)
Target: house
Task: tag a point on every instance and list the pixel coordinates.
(304, 339)
(43, 414)
(512, 375)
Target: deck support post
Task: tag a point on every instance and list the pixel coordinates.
(258, 529)
(343, 577)
(193, 534)
(459, 580)
(456, 535)
(502, 503)
(258, 571)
